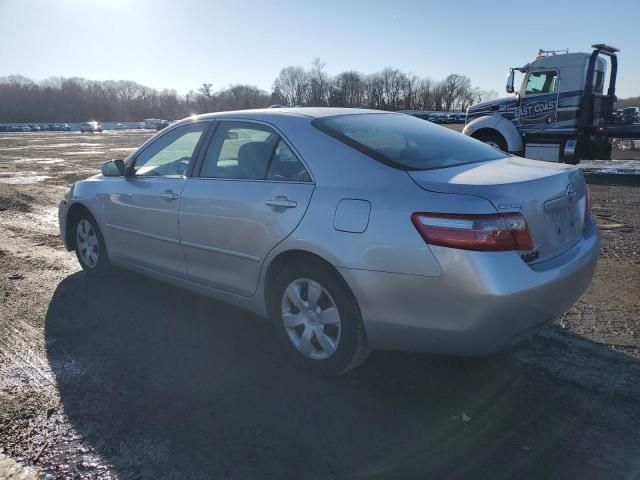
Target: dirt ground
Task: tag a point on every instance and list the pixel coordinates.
(128, 378)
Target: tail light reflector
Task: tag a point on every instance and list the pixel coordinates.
(492, 232)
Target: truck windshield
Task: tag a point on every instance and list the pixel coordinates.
(405, 142)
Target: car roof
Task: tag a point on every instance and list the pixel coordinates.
(273, 113)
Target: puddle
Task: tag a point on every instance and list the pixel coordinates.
(45, 221)
(19, 178)
(39, 160)
(85, 152)
(66, 145)
(12, 149)
(50, 161)
(123, 149)
(626, 168)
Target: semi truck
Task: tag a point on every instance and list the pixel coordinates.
(560, 113)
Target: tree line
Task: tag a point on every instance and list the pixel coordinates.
(59, 99)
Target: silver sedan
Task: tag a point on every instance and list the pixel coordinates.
(349, 229)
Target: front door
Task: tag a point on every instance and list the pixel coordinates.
(250, 193)
(539, 99)
(141, 209)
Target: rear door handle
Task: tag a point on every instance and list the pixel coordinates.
(281, 202)
(169, 195)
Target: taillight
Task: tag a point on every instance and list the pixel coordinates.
(492, 232)
(587, 206)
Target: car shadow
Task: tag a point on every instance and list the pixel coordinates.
(162, 383)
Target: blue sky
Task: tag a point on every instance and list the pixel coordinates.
(180, 44)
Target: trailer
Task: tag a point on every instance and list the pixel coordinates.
(560, 113)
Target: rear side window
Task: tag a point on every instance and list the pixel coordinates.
(251, 151)
(239, 150)
(406, 142)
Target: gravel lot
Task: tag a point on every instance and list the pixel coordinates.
(130, 378)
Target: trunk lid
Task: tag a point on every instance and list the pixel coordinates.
(551, 196)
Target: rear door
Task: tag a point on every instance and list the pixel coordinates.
(250, 192)
(141, 209)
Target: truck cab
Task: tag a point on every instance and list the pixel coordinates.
(559, 113)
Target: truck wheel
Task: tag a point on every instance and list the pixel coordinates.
(494, 139)
(317, 319)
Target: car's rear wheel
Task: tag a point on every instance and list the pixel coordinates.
(317, 319)
(89, 246)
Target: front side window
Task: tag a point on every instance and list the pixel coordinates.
(541, 82)
(406, 142)
(251, 151)
(170, 154)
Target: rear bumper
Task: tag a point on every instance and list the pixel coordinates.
(482, 303)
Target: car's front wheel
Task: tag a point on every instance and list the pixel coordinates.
(317, 319)
(90, 247)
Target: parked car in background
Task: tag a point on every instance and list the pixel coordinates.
(90, 127)
(34, 127)
(19, 128)
(617, 115)
(630, 115)
(452, 117)
(59, 127)
(152, 123)
(350, 229)
(163, 124)
(119, 126)
(441, 118)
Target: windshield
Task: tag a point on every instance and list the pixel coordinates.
(406, 142)
(629, 111)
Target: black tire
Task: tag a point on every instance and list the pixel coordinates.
(102, 265)
(352, 348)
(494, 139)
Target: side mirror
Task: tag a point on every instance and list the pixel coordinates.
(510, 82)
(113, 168)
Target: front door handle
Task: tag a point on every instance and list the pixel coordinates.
(281, 202)
(169, 195)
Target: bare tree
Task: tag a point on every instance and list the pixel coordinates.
(348, 90)
(455, 91)
(205, 90)
(394, 87)
(319, 84)
(76, 99)
(292, 83)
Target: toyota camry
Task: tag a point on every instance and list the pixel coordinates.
(349, 229)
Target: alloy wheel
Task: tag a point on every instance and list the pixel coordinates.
(87, 243)
(311, 319)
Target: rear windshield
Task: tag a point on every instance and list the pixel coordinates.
(629, 110)
(406, 142)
